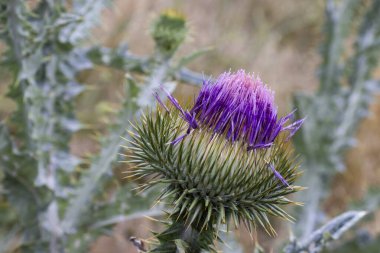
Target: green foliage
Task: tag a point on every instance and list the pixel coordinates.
(38, 163)
(361, 243)
(190, 241)
(43, 206)
(336, 110)
(321, 238)
(337, 107)
(209, 180)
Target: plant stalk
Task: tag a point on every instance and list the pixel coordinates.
(310, 217)
(109, 152)
(179, 237)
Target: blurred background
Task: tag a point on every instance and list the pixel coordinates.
(278, 40)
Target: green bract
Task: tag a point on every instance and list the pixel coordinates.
(208, 180)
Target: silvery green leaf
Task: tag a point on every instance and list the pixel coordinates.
(169, 86)
(50, 220)
(30, 65)
(67, 70)
(320, 238)
(372, 85)
(230, 245)
(87, 13)
(72, 89)
(71, 124)
(8, 239)
(191, 57)
(79, 60)
(67, 19)
(65, 161)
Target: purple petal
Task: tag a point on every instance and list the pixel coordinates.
(179, 139)
(155, 94)
(261, 145)
(287, 117)
(278, 175)
(190, 118)
(293, 128)
(173, 101)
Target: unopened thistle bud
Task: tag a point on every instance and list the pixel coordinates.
(168, 31)
(225, 160)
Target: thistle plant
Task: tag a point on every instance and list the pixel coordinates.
(347, 86)
(48, 201)
(224, 161)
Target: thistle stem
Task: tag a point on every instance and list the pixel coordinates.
(310, 218)
(109, 151)
(187, 238)
(191, 236)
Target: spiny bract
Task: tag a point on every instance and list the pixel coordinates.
(226, 160)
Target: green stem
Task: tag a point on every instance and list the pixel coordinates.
(118, 59)
(178, 235)
(100, 166)
(309, 219)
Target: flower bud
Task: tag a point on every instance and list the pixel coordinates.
(168, 31)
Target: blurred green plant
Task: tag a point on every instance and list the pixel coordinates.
(44, 206)
(341, 103)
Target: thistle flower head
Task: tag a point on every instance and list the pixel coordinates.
(224, 159)
(241, 107)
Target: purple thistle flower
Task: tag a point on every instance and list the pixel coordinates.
(240, 106)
